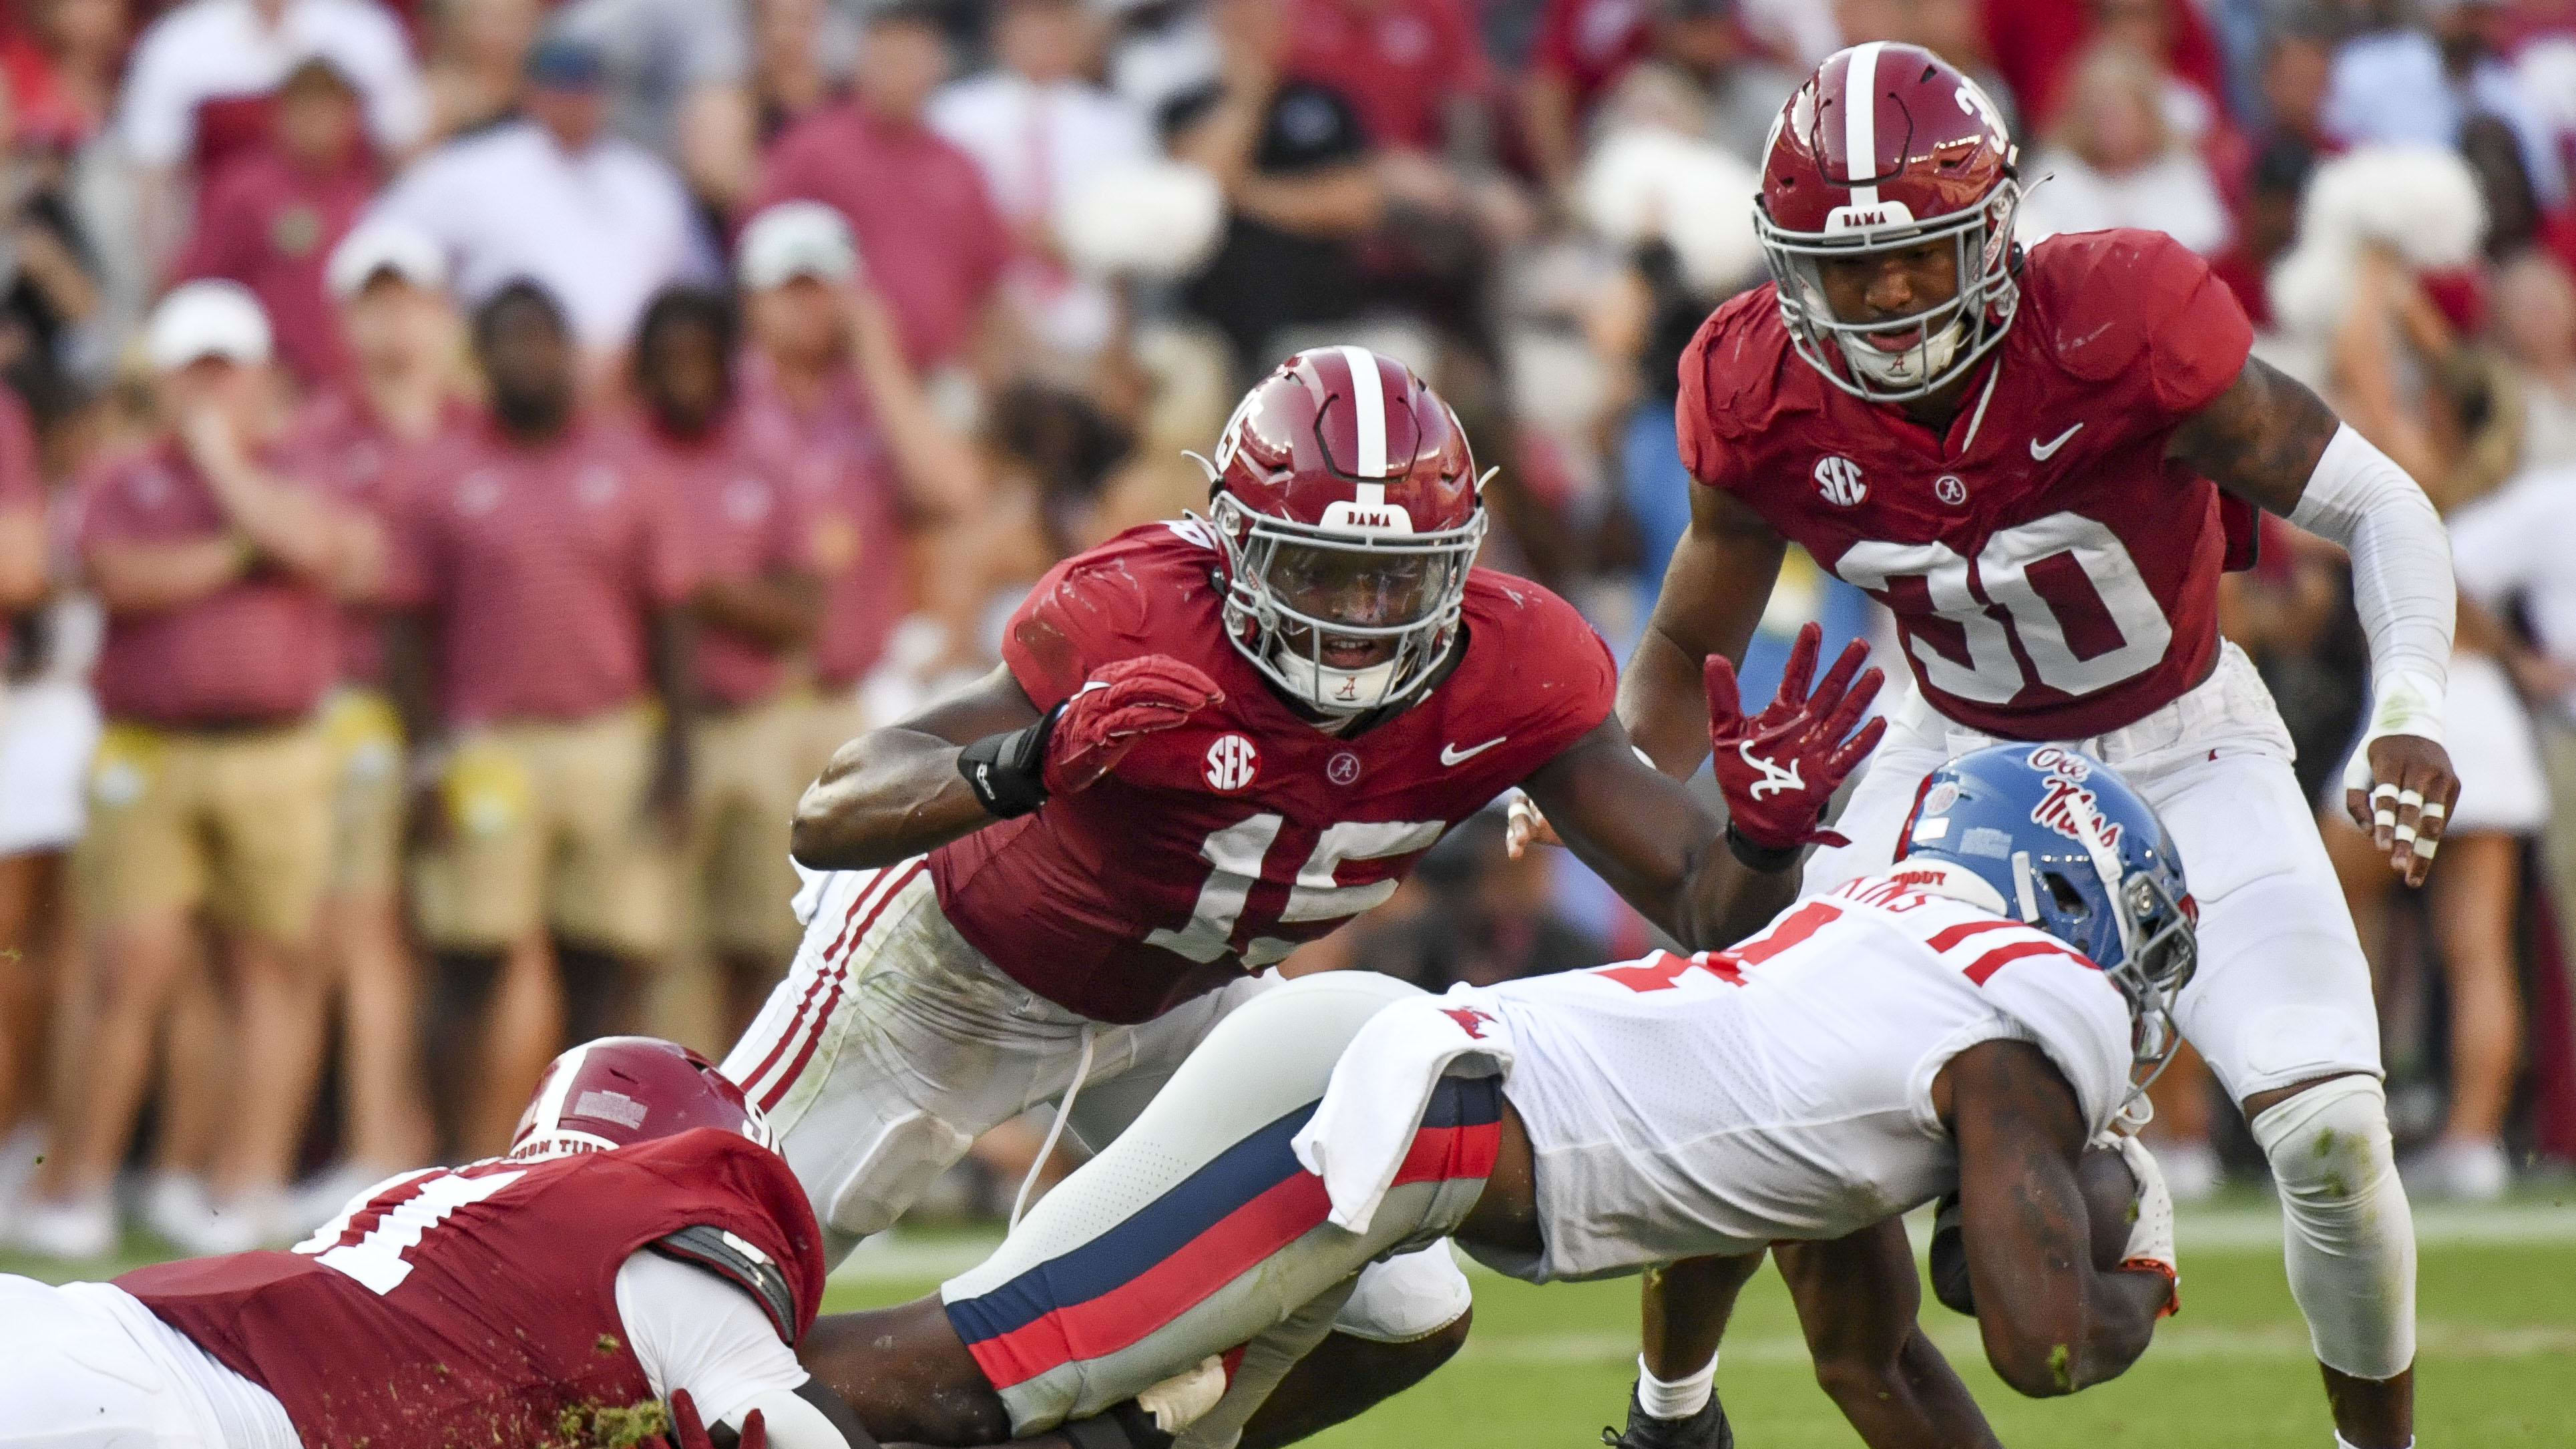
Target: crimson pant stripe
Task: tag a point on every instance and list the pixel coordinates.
(1249, 1202)
(813, 988)
(806, 1032)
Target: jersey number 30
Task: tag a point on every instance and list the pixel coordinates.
(2083, 612)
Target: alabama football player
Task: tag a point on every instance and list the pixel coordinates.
(1209, 741)
(642, 1240)
(2040, 459)
(1966, 1022)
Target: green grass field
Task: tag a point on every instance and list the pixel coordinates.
(1546, 1368)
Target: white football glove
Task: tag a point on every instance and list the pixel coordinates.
(2151, 1236)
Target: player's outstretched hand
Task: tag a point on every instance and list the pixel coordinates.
(1706, 1429)
(2400, 788)
(1122, 702)
(688, 1431)
(1780, 768)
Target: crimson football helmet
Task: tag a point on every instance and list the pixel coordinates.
(621, 1090)
(1888, 147)
(1347, 508)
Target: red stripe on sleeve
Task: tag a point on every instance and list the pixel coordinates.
(2002, 956)
(1943, 940)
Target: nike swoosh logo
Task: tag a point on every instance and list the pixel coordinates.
(2042, 452)
(1452, 755)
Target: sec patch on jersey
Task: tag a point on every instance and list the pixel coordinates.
(2110, 1206)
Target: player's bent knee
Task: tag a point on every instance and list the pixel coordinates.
(2351, 1238)
(1407, 1298)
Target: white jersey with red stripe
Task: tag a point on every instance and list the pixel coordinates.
(1688, 1105)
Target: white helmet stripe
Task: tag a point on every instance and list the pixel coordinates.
(1860, 119)
(550, 1102)
(1368, 399)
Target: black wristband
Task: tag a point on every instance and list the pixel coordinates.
(1007, 771)
(1768, 859)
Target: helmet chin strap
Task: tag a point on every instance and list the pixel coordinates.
(1321, 683)
(1897, 369)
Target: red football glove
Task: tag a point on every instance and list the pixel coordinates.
(1121, 703)
(689, 1432)
(1780, 768)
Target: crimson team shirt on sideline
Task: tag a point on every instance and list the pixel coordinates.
(339, 442)
(1220, 845)
(932, 243)
(271, 225)
(846, 489)
(743, 521)
(478, 1304)
(2054, 577)
(21, 485)
(542, 564)
(261, 649)
(1589, 43)
(1399, 64)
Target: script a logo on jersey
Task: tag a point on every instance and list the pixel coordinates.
(1838, 479)
(1232, 762)
(2065, 796)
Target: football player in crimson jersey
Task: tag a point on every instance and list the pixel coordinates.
(2040, 460)
(1915, 1034)
(642, 1239)
(1209, 741)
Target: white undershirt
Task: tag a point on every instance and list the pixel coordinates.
(693, 1330)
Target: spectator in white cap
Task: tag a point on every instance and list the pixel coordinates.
(357, 441)
(558, 199)
(210, 794)
(874, 463)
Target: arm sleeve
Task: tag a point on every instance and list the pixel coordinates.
(692, 1330)
(2401, 577)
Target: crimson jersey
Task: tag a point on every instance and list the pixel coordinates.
(1223, 844)
(2054, 576)
(478, 1305)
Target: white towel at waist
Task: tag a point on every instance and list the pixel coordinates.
(1382, 1085)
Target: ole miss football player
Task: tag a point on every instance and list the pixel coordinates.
(2040, 460)
(1209, 741)
(641, 1241)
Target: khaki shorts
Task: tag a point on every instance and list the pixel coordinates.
(548, 827)
(236, 823)
(747, 768)
(366, 792)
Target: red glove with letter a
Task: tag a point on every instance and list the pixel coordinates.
(1780, 768)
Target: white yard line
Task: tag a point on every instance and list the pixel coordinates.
(908, 1257)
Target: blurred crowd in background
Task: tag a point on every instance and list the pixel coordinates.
(464, 464)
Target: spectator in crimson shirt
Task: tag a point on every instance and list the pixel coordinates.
(874, 468)
(933, 241)
(1410, 67)
(539, 578)
(209, 797)
(1582, 47)
(402, 396)
(273, 212)
(757, 601)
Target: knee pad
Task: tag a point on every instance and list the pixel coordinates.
(2350, 1237)
(1407, 1297)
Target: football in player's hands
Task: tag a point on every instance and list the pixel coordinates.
(1122, 702)
(2110, 1196)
